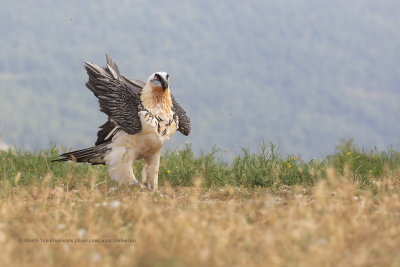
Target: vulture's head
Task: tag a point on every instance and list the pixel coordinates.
(159, 80)
(156, 91)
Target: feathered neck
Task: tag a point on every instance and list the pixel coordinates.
(156, 100)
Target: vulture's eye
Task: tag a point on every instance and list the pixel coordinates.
(155, 77)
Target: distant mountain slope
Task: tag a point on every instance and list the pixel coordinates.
(301, 73)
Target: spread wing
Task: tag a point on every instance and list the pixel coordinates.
(118, 97)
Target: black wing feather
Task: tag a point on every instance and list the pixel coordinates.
(119, 99)
(183, 119)
(106, 132)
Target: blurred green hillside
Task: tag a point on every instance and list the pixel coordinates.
(302, 74)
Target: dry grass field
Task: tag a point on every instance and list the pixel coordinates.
(333, 223)
(258, 210)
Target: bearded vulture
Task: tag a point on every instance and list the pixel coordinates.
(141, 118)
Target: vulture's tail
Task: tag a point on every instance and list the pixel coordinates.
(94, 155)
